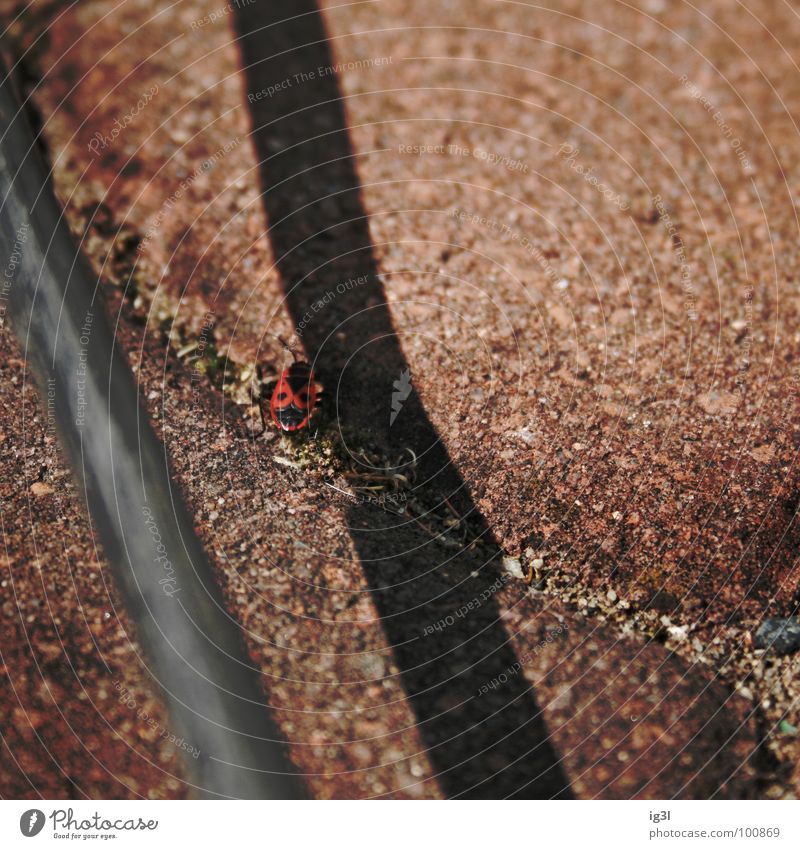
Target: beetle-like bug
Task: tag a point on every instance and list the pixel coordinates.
(294, 397)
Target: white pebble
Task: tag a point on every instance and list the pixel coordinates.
(513, 567)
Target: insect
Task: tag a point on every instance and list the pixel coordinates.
(294, 397)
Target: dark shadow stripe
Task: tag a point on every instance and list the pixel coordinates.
(482, 746)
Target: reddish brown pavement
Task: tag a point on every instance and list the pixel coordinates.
(593, 289)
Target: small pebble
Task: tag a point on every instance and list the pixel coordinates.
(781, 634)
(513, 567)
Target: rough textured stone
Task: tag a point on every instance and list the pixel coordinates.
(782, 635)
(636, 431)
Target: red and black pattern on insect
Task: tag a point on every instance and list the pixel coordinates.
(294, 397)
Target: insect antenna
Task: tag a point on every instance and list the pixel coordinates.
(289, 348)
